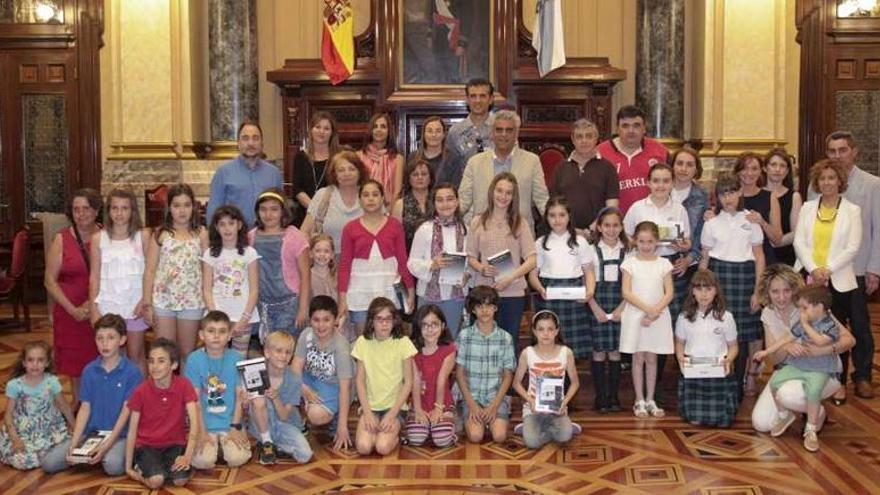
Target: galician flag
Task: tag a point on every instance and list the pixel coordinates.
(547, 36)
(337, 40)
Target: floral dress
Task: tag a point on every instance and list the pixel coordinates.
(178, 282)
(39, 424)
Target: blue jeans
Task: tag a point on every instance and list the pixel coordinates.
(113, 462)
(509, 316)
(451, 311)
(286, 436)
(540, 428)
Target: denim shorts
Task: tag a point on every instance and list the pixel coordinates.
(503, 411)
(278, 315)
(181, 314)
(357, 316)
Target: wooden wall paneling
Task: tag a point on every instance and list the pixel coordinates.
(583, 87)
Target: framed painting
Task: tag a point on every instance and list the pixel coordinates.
(444, 42)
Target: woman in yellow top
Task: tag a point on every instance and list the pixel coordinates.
(826, 240)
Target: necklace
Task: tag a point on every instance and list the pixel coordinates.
(315, 178)
(833, 216)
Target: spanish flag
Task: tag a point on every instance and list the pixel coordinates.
(337, 40)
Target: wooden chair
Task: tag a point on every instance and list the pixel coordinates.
(13, 282)
(551, 156)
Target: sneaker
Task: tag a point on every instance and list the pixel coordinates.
(639, 409)
(781, 423)
(614, 405)
(576, 429)
(266, 452)
(811, 440)
(518, 429)
(654, 410)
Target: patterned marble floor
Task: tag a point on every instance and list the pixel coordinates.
(615, 454)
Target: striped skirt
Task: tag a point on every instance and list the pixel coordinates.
(738, 284)
(606, 336)
(574, 317)
(708, 401)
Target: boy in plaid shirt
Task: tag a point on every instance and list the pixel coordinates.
(485, 369)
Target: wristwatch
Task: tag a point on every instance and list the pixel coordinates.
(237, 426)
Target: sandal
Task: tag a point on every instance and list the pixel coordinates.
(640, 410)
(654, 410)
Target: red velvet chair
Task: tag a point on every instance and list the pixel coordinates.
(552, 157)
(13, 282)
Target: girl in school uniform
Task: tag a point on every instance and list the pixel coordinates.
(645, 324)
(732, 249)
(607, 306)
(565, 260)
(706, 329)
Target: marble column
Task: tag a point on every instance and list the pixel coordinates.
(660, 66)
(233, 71)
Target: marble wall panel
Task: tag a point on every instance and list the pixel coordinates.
(859, 113)
(232, 54)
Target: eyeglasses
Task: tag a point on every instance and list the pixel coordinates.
(383, 319)
(433, 325)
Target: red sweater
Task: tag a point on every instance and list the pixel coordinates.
(632, 172)
(357, 242)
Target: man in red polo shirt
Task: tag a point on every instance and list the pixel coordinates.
(632, 154)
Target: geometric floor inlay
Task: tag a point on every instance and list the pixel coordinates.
(616, 453)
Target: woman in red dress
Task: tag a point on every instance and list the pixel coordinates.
(67, 281)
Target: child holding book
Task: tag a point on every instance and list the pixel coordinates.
(547, 358)
(485, 362)
(160, 445)
(607, 305)
(435, 246)
(816, 327)
(705, 329)
(502, 229)
(323, 360)
(274, 418)
(384, 378)
(565, 260)
(645, 324)
(433, 414)
(231, 275)
(37, 415)
(107, 383)
(373, 258)
(212, 371)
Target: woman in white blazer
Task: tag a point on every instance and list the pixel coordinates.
(826, 240)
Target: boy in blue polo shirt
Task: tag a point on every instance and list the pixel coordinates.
(107, 382)
(213, 373)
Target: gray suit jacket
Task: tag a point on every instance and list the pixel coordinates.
(478, 175)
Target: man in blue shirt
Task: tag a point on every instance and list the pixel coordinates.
(107, 383)
(238, 182)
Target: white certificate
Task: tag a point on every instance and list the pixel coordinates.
(567, 293)
(612, 272)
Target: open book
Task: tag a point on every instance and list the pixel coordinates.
(254, 376)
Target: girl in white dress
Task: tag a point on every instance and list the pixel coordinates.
(646, 325)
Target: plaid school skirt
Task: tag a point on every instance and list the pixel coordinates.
(738, 283)
(574, 316)
(708, 401)
(606, 336)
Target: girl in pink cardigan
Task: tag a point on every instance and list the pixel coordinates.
(372, 259)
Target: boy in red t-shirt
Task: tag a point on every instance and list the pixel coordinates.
(158, 447)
